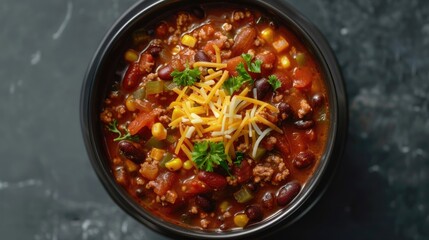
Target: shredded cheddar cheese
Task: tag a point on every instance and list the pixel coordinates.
(206, 110)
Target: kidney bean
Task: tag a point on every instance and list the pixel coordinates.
(303, 159)
(130, 151)
(204, 203)
(212, 179)
(132, 77)
(285, 110)
(268, 200)
(304, 124)
(254, 212)
(165, 72)
(317, 100)
(263, 87)
(201, 56)
(243, 41)
(268, 61)
(287, 193)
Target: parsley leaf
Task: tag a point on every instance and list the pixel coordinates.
(255, 66)
(239, 156)
(234, 83)
(186, 77)
(113, 127)
(208, 155)
(274, 81)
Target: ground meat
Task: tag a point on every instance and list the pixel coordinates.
(267, 114)
(227, 27)
(231, 181)
(204, 223)
(106, 116)
(269, 142)
(280, 176)
(171, 196)
(120, 110)
(262, 173)
(243, 148)
(183, 19)
(304, 108)
(165, 119)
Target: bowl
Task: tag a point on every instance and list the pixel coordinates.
(100, 76)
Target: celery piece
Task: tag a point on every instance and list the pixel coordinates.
(243, 195)
(154, 87)
(259, 153)
(300, 59)
(139, 94)
(154, 143)
(168, 156)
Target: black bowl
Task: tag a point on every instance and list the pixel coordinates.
(101, 74)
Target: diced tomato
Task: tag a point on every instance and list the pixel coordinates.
(302, 78)
(282, 144)
(209, 45)
(194, 186)
(164, 182)
(208, 29)
(142, 120)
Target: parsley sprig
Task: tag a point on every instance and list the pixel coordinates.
(186, 77)
(208, 155)
(233, 84)
(113, 127)
(274, 82)
(255, 66)
(239, 156)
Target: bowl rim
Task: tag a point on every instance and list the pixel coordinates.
(317, 184)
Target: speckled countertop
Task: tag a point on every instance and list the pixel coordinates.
(48, 189)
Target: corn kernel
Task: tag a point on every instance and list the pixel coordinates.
(176, 114)
(174, 164)
(188, 164)
(130, 103)
(284, 62)
(131, 56)
(188, 40)
(280, 44)
(241, 220)
(224, 206)
(157, 154)
(159, 131)
(267, 34)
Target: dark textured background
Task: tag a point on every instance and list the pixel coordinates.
(48, 189)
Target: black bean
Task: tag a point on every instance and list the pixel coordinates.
(198, 12)
(317, 100)
(285, 110)
(254, 212)
(263, 87)
(201, 56)
(268, 200)
(304, 124)
(165, 72)
(140, 192)
(204, 203)
(287, 193)
(154, 50)
(303, 159)
(130, 151)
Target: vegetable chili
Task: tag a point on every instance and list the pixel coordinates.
(219, 119)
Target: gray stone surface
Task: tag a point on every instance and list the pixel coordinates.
(48, 189)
